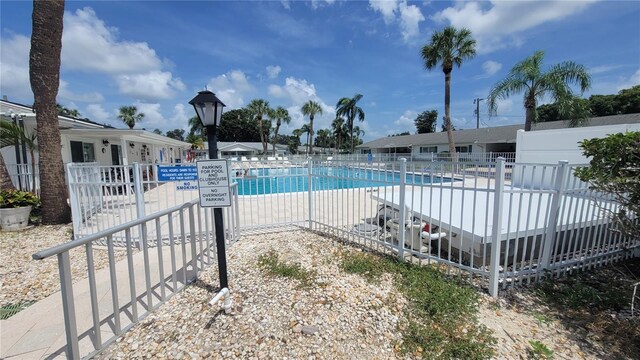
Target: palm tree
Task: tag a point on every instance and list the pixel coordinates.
(130, 116)
(44, 76)
(323, 138)
(448, 47)
(348, 107)
(196, 127)
(528, 76)
(305, 129)
(12, 133)
(260, 108)
(296, 134)
(281, 115)
(338, 131)
(311, 108)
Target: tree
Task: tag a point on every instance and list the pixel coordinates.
(628, 100)
(449, 47)
(444, 128)
(338, 127)
(311, 108)
(157, 131)
(305, 129)
(529, 78)
(12, 134)
(426, 122)
(196, 127)
(259, 108)
(614, 168)
(281, 115)
(577, 108)
(44, 76)
(348, 108)
(195, 141)
(130, 116)
(295, 143)
(177, 134)
(67, 112)
(238, 125)
(323, 139)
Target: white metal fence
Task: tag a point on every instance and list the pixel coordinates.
(100, 308)
(102, 197)
(22, 176)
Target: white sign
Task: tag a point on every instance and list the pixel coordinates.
(187, 185)
(213, 183)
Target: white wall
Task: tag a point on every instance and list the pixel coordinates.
(551, 146)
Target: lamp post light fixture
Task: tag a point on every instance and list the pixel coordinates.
(209, 111)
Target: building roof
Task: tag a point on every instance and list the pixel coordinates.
(498, 134)
(28, 111)
(134, 135)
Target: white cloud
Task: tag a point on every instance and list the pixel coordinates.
(231, 88)
(408, 16)
(603, 69)
(297, 92)
(88, 44)
(180, 117)
(405, 122)
(286, 4)
(65, 94)
(633, 80)
(495, 26)
(153, 117)
(14, 67)
(97, 113)
(491, 67)
(388, 9)
(273, 71)
(153, 85)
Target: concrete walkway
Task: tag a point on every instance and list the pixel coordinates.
(38, 332)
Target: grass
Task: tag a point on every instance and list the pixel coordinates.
(275, 267)
(442, 322)
(539, 350)
(8, 311)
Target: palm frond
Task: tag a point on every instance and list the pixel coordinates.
(503, 90)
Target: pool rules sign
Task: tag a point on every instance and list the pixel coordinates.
(213, 183)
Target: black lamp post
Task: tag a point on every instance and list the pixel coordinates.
(209, 110)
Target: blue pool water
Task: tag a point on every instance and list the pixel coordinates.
(294, 179)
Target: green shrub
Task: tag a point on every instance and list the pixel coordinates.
(18, 198)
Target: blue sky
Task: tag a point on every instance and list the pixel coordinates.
(157, 55)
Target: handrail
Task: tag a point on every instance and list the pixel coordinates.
(55, 250)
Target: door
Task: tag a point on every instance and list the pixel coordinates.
(77, 152)
(116, 155)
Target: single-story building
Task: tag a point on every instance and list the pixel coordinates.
(499, 139)
(85, 141)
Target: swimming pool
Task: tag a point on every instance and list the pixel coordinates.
(294, 179)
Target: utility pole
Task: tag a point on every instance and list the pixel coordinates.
(477, 102)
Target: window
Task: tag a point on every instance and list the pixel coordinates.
(428, 149)
(463, 149)
(82, 152)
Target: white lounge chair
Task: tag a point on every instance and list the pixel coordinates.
(244, 158)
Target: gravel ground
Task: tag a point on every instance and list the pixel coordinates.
(23, 279)
(340, 316)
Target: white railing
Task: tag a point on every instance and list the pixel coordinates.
(23, 178)
(126, 292)
(102, 197)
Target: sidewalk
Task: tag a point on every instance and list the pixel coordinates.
(37, 332)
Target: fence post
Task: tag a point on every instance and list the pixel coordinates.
(551, 231)
(402, 210)
(139, 193)
(496, 231)
(76, 217)
(68, 307)
(310, 192)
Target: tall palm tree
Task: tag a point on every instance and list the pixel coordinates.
(44, 76)
(281, 115)
(348, 107)
(448, 47)
(311, 108)
(195, 126)
(130, 116)
(12, 133)
(296, 134)
(528, 76)
(338, 131)
(259, 108)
